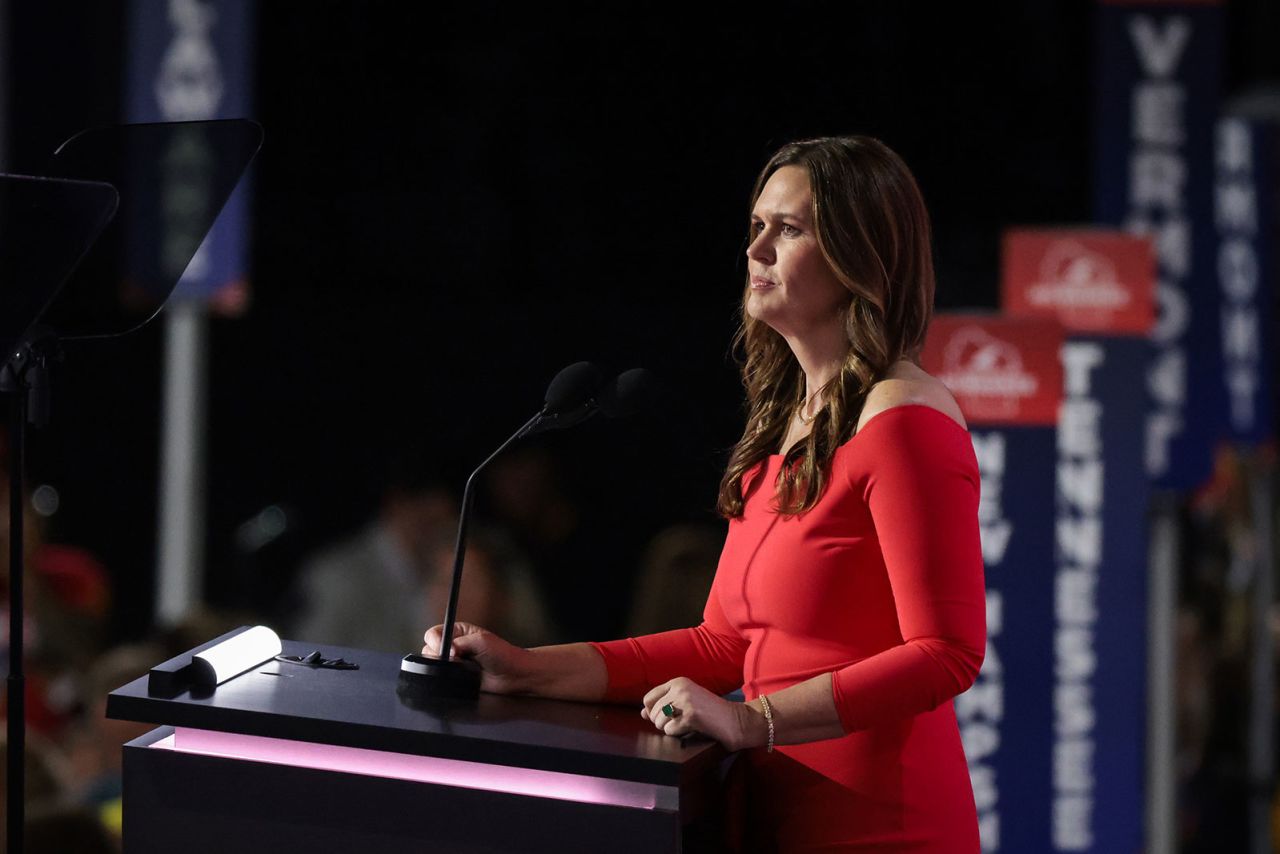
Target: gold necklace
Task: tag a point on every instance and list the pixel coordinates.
(806, 420)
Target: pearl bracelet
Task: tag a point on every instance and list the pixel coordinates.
(768, 717)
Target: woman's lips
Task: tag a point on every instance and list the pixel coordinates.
(759, 283)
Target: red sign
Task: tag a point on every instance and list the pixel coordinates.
(1002, 370)
(1092, 280)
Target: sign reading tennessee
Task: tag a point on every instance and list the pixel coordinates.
(1094, 281)
(1002, 370)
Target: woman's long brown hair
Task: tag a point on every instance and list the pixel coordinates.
(872, 227)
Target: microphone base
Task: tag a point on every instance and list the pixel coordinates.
(423, 678)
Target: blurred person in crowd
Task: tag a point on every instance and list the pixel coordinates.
(46, 769)
(94, 745)
(675, 578)
(55, 824)
(370, 591)
(849, 601)
(528, 498)
(1219, 553)
(63, 829)
(67, 599)
(497, 587)
(198, 626)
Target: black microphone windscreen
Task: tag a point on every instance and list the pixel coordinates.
(572, 387)
(629, 393)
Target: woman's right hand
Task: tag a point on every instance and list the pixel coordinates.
(505, 668)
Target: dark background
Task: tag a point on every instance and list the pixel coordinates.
(452, 204)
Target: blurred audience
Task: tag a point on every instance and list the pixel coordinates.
(55, 824)
(370, 591)
(579, 564)
(93, 744)
(675, 578)
(64, 829)
(537, 556)
(381, 588)
(67, 610)
(497, 592)
(1219, 550)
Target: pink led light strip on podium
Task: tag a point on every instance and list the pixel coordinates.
(421, 769)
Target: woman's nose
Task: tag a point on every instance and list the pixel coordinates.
(760, 249)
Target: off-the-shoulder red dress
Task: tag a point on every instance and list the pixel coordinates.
(880, 584)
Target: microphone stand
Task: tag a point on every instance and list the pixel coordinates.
(536, 424)
(26, 377)
(423, 678)
(460, 547)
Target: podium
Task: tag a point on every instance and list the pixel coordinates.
(287, 757)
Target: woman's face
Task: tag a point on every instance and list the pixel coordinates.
(792, 287)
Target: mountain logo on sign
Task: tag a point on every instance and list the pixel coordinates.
(986, 372)
(1075, 278)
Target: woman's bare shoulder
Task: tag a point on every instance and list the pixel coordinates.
(907, 385)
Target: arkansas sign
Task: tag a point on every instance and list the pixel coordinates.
(1001, 370)
(1093, 280)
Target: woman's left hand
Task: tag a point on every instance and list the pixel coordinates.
(698, 710)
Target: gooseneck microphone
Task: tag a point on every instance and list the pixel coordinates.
(628, 393)
(574, 395)
(570, 400)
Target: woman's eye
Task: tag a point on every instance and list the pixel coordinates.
(789, 230)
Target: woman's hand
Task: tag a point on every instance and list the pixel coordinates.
(696, 709)
(505, 668)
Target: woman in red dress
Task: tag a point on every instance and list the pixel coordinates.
(848, 602)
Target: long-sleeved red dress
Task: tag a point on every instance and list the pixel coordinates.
(881, 585)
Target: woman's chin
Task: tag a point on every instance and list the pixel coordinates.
(769, 315)
(760, 307)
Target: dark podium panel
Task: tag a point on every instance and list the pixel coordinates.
(287, 757)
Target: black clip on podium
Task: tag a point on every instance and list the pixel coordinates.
(56, 289)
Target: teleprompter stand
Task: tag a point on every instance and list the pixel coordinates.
(46, 227)
(62, 261)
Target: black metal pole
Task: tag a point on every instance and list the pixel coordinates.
(460, 547)
(17, 731)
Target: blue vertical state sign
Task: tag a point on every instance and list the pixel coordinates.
(1007, 378)
(189, 60)
(1100, 562)
(1157, 88)
(1101, 616)
(1245, 201)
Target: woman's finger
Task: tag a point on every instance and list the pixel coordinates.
(650, 713)
(654, 693)
(658, 712)
(433, 650)
(432, 638)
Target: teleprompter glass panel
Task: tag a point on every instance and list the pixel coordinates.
(46, 227)
(173, 179)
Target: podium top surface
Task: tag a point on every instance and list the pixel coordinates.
(360, 708)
